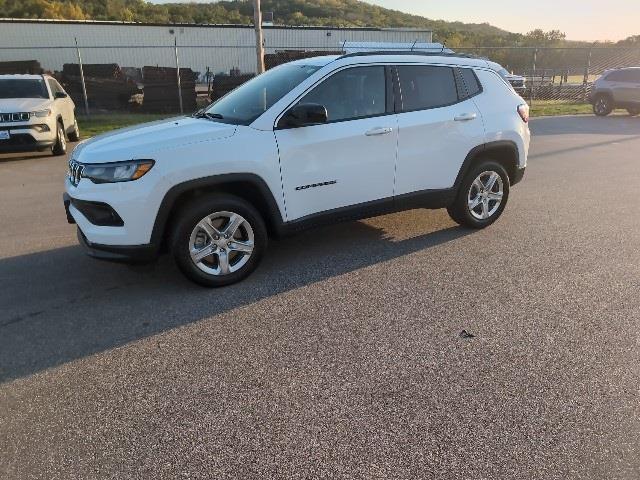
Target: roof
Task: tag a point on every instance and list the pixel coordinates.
(23, 76)
(396, 57)
(209, 25)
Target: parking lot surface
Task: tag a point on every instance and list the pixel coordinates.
(342, 356)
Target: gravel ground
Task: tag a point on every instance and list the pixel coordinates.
(341, 357)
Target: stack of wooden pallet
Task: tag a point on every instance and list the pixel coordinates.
(161, 89)
(21, 67)
(223, 84)
(107, 86)
(285, 56)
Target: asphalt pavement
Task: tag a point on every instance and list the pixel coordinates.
(342, 356)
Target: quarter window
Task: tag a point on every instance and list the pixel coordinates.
(424, 87)
(470, 81)
(352, 93)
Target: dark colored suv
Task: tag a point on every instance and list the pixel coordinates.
(618, 88)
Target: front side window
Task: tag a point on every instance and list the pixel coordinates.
(247, 102)
(55, 88)
(23, 88)
(352, 93)
(424, 87)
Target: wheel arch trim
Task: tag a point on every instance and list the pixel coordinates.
(210, 183)
(479, 152)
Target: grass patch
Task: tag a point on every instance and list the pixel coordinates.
(104, 122)
(559, 107)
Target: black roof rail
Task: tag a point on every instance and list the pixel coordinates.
(411, 52)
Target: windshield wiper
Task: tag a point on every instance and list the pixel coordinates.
(210, 116)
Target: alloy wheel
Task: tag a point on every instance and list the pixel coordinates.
(221, 243)
(485, 195)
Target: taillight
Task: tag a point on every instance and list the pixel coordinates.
(523, 111)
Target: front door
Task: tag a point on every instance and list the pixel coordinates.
(349, 160)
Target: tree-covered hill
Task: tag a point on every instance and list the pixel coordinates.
(337, 13)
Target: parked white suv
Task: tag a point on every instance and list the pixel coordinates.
(307, 143)
(36, 114)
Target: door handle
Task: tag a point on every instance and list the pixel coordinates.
(465, 117)
(379, 131)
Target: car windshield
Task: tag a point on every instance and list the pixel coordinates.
(22, 88)
(504, 73)
(246, 103)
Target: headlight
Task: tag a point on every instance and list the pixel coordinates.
(41, 113)
(116, 172)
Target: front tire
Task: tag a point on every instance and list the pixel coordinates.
(602, 105)
(60, 147)
(634, 112)
(482, 196)
(75, 135)
(218, 240)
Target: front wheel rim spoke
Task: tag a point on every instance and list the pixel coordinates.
(234, 222)
(223, 262)
(485, 209)
(242, 247)
(201, 254)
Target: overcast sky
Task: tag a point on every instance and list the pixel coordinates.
(579, 19)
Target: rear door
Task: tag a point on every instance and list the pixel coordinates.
(350, 159)
(438, 125)
(624, 85)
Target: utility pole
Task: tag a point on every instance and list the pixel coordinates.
(257, 21)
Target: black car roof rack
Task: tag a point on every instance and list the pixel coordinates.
(411, 52)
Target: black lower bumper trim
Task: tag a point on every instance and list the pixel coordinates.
(25, 147)
(119, 253)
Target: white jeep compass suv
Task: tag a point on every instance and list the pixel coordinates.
(310, 142)
(35, 114)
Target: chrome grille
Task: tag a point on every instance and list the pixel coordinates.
(75, 172)
(14, 117)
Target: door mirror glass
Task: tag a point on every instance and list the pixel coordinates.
(303, 115)
(61, 95)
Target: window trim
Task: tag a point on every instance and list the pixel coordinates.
(399, 107)
(466, 87)
(389, 91)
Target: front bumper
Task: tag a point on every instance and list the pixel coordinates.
(135, 254)
(24, 143)
(132, 254)
(25, 137)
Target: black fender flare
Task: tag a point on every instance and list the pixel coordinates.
(210, 183)
(478, 152)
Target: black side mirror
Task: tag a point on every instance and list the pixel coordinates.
(60, 95)
(303, 115)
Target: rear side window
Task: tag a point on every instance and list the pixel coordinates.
(470, 81)
(626, 76)
(351, 93)
(424, 87)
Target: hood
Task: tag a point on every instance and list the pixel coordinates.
(142, 141)
(15, 105)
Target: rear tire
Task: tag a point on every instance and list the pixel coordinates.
(482, 195)
(602, 105)
(75, 135)
(60, 147)
(218, 240)
(634, 112)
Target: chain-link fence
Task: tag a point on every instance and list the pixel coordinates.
(175, 78)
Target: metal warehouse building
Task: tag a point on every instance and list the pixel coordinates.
(219, 47)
